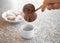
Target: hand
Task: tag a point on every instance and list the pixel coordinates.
(50, 4)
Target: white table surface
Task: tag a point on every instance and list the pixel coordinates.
(48, 24)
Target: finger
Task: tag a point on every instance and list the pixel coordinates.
(43, 7)
(56, 6)
(49, 7)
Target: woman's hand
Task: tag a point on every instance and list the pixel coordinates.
(50, 4)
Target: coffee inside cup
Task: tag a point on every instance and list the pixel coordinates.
(28, 28)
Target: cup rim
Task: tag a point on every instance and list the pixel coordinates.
(22, 27)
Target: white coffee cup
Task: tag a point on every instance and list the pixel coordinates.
(28, 31)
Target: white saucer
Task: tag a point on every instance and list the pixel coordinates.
(10, 11)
